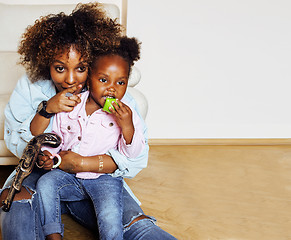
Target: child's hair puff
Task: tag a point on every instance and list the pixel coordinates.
(127, 48)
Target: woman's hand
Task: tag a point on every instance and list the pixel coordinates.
(71, 162)
(123, 116)
(45, 161)
(62, 103)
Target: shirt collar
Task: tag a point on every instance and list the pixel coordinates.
(47, 87)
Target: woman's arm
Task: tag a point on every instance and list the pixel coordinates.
(74, 163)
(56, 104)
(129, 167)
(20, 111)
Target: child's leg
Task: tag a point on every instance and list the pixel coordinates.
(106, 194)
(53, 187)
(134, 227)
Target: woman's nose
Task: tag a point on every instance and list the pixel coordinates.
(70, 79)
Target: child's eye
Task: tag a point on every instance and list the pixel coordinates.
(103, 80)
(121, 83)
(59, 69)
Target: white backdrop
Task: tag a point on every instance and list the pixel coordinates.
(213, 69)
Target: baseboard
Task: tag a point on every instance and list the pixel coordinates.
(223, 141)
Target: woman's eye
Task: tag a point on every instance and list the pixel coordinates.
(82, 69)
(60, 69)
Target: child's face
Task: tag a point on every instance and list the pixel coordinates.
(69, 70)
(108, 78)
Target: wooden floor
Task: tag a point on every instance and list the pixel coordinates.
(214, 192)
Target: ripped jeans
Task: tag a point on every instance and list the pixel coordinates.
(22, 222)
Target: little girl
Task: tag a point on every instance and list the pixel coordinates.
(89, 132)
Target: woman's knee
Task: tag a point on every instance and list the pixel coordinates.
(137, 219)
(22, 195)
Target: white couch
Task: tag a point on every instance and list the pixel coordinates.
(13, 21)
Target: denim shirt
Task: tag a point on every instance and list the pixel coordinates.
(22, 107)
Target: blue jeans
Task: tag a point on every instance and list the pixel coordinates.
(22, 222)
(105, 192)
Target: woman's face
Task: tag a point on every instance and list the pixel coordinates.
(68, 70)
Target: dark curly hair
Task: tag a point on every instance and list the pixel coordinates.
(87, 28)
(127, 48)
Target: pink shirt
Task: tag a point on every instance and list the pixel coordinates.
(94, 135)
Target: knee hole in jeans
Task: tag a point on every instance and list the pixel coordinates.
(137, 219)
(25, 193)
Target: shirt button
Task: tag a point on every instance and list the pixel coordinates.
(79, 138)
(69, 127)
(111, 124)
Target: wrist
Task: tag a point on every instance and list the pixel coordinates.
(42, 110)
(101, 163)
(81, 164)
(128, 136)
(48, 108)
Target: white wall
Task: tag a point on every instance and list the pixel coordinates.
(215, 69)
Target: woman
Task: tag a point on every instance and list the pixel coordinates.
(57, 52)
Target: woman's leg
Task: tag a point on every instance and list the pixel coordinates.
(22, 220)
(138, 225)
(106, 195)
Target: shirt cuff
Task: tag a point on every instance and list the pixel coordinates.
(120, 161)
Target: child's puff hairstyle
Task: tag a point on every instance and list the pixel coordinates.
(87, 28)
(127, 48)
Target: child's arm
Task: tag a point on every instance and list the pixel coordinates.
(138, 142)
(132, 141)
(129, 167)
(123, 116)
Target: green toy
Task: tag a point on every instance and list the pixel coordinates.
(108, 104)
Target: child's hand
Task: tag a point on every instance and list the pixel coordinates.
(122, 113)
(45, 161)
(123, 116)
